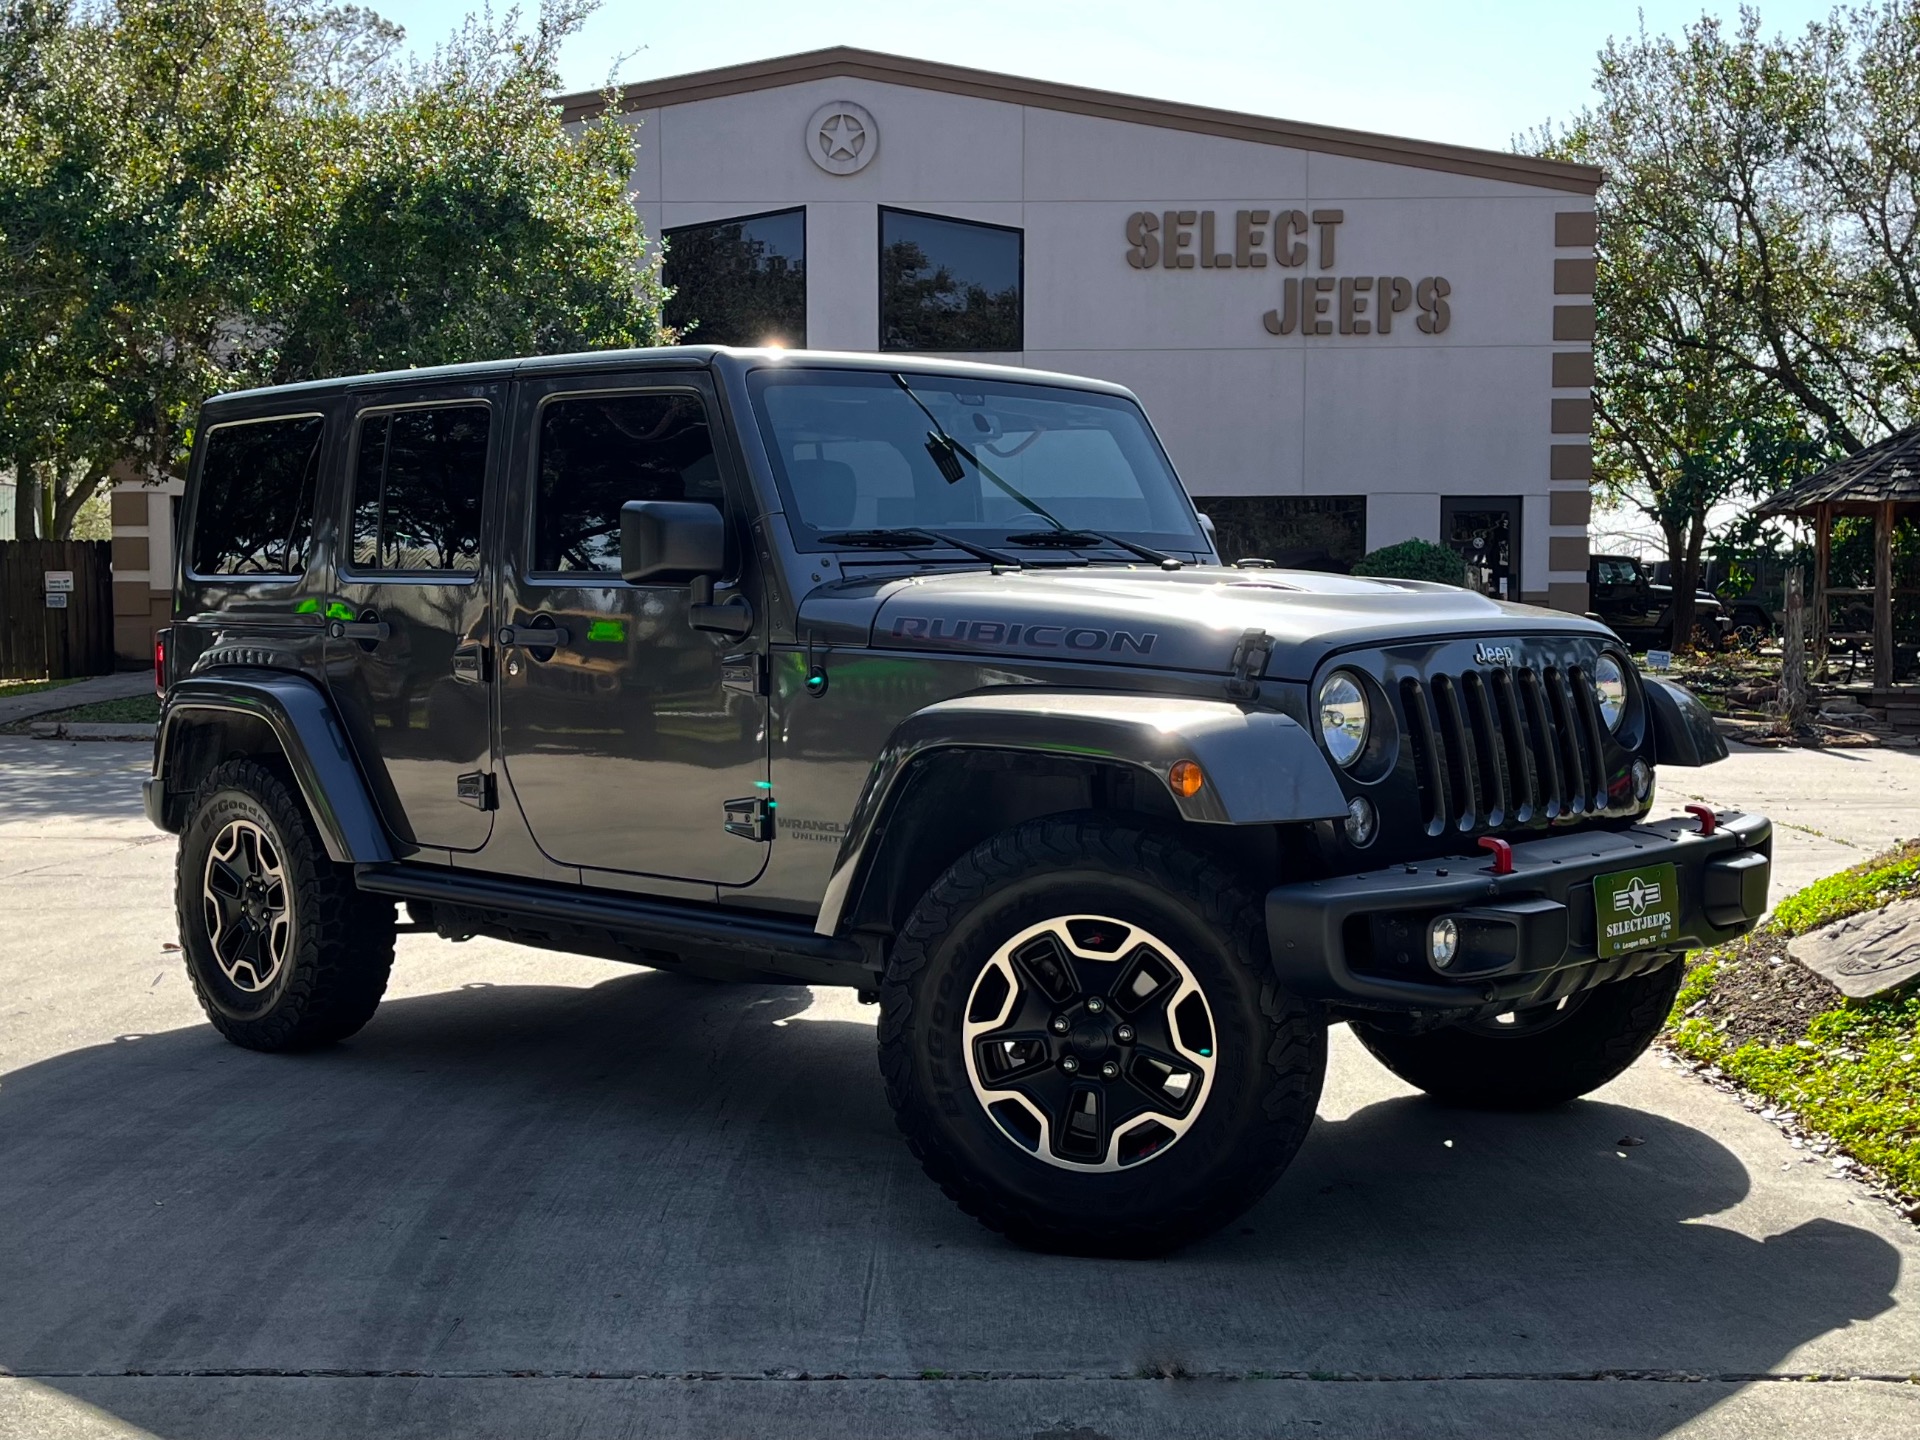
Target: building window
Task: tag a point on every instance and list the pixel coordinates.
(418, 480)
(1301, 532)
(254, 514)
(949, 284)
(741, 281)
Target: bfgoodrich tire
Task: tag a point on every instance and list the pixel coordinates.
(284, 952)
(1533, 1059)
(1084, 1044)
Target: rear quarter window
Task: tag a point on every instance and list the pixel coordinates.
(254, 511)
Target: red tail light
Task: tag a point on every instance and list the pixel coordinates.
(160, 663)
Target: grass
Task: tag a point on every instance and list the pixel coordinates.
(132, 710)
(11, 688)
(1849, 1069)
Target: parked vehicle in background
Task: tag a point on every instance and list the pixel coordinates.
(923, 679)
(1751, 621)
(1624, 594)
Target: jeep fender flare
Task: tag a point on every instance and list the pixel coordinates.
(1683, 730)
(1260, 767)
(311, 740)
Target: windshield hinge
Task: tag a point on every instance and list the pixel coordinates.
(1249, 664)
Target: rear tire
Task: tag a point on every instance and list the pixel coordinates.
(1548, 1060)
(1212, 1086)
(284, 951)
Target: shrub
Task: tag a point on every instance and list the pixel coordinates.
(1414, 560)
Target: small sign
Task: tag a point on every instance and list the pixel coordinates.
(1635, 909)
(1659, 661)
(59, 582)
(56, 599)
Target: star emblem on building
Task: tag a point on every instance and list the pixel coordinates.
(843, 137)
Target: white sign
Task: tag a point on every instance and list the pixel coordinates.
(56, 599)
(1659, 661)
(59, 582)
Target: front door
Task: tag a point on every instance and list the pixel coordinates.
(1485, 532)
(626, 733)
(408, 616)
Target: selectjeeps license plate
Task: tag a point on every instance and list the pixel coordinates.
(1635, 909)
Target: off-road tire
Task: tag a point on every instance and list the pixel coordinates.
(340, 950)
(1271, 1047)
(1610, 1029)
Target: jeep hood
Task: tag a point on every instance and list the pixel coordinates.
(1189, 619)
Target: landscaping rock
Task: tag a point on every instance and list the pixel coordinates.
(1867, 954)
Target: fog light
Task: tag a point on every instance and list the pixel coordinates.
(1362, 823)
(1443, 943)
(1642, 781)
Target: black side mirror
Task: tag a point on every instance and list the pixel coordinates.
(671, 542)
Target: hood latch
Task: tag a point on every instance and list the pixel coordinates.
(1249, 663)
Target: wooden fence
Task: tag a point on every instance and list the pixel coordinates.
(57, 641)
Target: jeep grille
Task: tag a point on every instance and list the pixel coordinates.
(1507, 746)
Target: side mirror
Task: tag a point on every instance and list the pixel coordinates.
(671, 542)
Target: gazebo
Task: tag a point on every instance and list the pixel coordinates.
(1883, 481)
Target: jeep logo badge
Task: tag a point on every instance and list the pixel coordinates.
(1485, 654)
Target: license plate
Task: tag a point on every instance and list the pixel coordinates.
(1635, 909)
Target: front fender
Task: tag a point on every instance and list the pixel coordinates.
(1683, 729)
(1261, 768)
(310, 738)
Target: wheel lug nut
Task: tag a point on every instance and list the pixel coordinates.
(1061, 1024)
(1095, 1005)
(1109, 1070)
(1124, 1034)
(1069, 1064)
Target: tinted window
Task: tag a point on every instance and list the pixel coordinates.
(254, 515)
(418, 480)
(739, 282)
(597, 453)
(948, 284)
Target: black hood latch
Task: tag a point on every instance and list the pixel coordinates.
(1249, 664)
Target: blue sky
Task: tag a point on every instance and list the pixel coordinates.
(1475, 73)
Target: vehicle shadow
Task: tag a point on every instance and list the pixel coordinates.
(659, 1176)
(82, 780)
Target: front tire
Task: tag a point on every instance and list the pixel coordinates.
(1084, 1044)
(1533, 1059)
(284, 951)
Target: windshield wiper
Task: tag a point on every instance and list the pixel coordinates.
(1078, 539)
(892, 540)
(943, 447)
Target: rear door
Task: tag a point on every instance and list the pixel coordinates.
(629, 739)
(408, 618)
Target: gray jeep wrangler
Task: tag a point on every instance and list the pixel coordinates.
(920, 678)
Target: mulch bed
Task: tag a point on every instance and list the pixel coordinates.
(1761, 993)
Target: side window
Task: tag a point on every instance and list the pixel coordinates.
(418, 480)
(254, 512)
(598, 452)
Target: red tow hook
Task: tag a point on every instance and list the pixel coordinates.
(1502, 854)
(1709, 822)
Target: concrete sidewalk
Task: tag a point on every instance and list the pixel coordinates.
(549, 1196)
(121, 685)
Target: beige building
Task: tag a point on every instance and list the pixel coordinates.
(1345, 339)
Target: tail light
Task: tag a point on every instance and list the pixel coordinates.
(160, 662)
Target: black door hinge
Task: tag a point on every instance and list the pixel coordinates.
(475, 788)
(1249, 663)
(470, 663)
(744, 674)
(751, 818)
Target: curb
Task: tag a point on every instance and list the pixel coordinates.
(86, 730)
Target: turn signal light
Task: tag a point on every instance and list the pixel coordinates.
(1186, 779)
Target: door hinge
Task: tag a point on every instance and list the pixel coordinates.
(475, 788)
(751, 818)
(470, 663)
(1249, 664)
(744, 674)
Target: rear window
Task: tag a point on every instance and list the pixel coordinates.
(418, 479)
(254, 515)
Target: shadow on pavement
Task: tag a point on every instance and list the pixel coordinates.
(660, 1176)
(71, 780)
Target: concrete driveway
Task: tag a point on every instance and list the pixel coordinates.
(544, 1196)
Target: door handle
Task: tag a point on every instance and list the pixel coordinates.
(374, 630)
(532, 637)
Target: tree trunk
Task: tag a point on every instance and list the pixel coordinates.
(1792, 705)
(1683, 564)
(67, 506)
(26, 500)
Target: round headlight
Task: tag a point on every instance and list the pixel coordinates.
(1610, 689)
(1343, 717)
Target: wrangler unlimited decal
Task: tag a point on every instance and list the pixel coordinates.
(1039, 637)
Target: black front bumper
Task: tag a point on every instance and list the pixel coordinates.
(1527, 937)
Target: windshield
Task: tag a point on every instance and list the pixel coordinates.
(855, 450)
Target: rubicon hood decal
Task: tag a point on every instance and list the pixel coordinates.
(1031, 636)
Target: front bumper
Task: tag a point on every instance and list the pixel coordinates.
(1529, 936)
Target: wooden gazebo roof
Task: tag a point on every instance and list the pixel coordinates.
(1882, 474)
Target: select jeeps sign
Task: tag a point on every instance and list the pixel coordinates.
(1635, 909)
(1251, 239)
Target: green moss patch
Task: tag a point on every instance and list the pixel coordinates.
(1848, 1069)
(133, 710)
